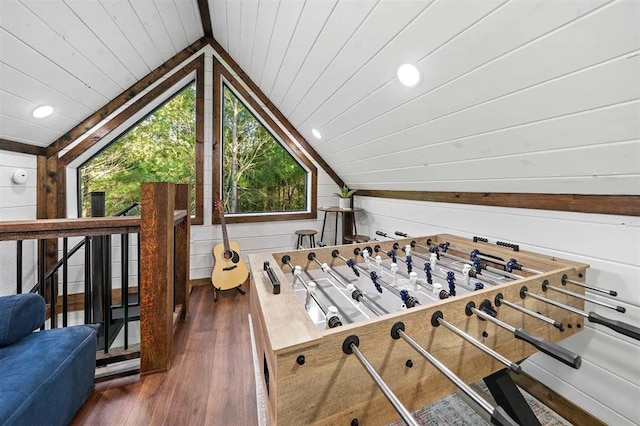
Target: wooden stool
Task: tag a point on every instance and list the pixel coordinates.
(301, 233)
(356, 238)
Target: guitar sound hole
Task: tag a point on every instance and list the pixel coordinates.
(232, 255)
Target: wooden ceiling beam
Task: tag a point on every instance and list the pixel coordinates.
(24, 148)
(205, 17)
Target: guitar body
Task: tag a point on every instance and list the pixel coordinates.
(229, 270)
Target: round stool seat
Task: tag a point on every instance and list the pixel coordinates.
(356, 238)
(311, 233)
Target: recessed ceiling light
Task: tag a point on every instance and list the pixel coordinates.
(42, 111)
(316, 133)
(408, 75)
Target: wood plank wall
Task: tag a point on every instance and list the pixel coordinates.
(609, 243)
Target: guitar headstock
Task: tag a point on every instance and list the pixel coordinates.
(219, 206)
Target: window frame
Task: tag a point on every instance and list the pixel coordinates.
(221, 76)
(166, 90)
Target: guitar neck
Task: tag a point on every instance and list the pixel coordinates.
(225, 237)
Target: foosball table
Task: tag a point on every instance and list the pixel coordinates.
(367, 333)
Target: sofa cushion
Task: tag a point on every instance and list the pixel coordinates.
(20, 314)
(46, 377)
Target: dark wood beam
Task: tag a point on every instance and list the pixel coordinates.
(125, 96)
(627, 205)
(130, 111)
(24, 148)
(274, 110)
(205, 17)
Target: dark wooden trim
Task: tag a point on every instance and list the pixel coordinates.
(205, 17)
(276, 112)
(24, 148)
(218, 71)
(130, 111)
(217, 140)
(269, 217)
(627, 205)
(199, 148)
(565, 408)
(58, 228)
(124, 97)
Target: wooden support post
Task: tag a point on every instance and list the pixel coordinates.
(156, 276)
(182, 252)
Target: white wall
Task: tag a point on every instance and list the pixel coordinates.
(608, 383)
(17, 202)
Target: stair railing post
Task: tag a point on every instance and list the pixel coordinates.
(156, 276)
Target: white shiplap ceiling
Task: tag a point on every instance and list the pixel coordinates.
(516, 96)
(77, 55)
(520, 95)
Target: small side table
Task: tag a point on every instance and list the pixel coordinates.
(346, 214)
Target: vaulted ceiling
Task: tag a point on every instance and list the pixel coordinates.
(511, 92)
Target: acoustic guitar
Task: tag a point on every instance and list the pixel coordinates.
(229, 270)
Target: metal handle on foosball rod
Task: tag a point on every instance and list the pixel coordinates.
(546, 286)
(566, 280)
(553, 350)
(499, 300)
(617, 326)
(350, 346)
(495, 415)
(437, 319)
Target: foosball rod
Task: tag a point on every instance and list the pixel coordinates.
(553, 350)
(331, 315)
(513, 264)
(378, 282)
(480, 256)
(566, 280)
(413, 275)
(471, 273)
(617, 326)
(438, 319)
(356, 293)
(350, 346)
(367, 256)
(494, 415)
(546, 286)
(499, 300)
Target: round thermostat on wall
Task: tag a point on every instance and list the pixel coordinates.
(19, 176)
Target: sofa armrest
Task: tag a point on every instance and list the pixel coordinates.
(20, 314)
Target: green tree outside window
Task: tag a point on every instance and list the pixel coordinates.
(160, 148)
(258, 174)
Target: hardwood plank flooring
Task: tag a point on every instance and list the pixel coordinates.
(210, 382)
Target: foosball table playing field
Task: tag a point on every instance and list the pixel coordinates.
(365, 334)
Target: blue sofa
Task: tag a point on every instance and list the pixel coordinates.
(45, 376)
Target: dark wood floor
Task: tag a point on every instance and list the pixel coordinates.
(210, 382)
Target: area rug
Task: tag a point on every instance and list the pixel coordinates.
(450, 410)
